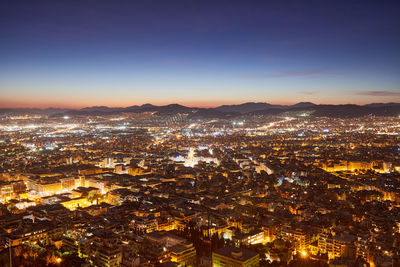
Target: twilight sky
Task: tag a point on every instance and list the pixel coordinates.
(198, 53)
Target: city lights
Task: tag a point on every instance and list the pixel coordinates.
(105, 166)
(199, 133)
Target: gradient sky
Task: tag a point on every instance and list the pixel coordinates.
(198, 53)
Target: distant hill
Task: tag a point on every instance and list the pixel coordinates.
(246, 107)
(303, 105)
(34, 111)
(352, 111)
(339, 111)
(225, 111)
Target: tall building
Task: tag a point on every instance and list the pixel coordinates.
(235, 257)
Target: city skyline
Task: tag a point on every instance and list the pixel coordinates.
(198, 54)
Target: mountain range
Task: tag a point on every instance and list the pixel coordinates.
(224, 111)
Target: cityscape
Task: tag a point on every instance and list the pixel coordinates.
(138, 134)
(144, 188)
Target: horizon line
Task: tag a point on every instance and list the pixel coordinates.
(189, 106)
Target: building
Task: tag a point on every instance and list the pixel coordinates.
(184, 254)
(108, 257)
(235, 257)
(179, 249)
(251, 238)
(336, 246)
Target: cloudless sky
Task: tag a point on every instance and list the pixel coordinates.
(198, 53)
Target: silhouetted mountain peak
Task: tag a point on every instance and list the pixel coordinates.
(303, 105)
(174, 106)
(245, 107)
(147, 105)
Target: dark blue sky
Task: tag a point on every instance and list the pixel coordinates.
(203, 53)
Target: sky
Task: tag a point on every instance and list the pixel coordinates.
(74, 54)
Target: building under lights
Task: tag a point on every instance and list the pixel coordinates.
(235, 257)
